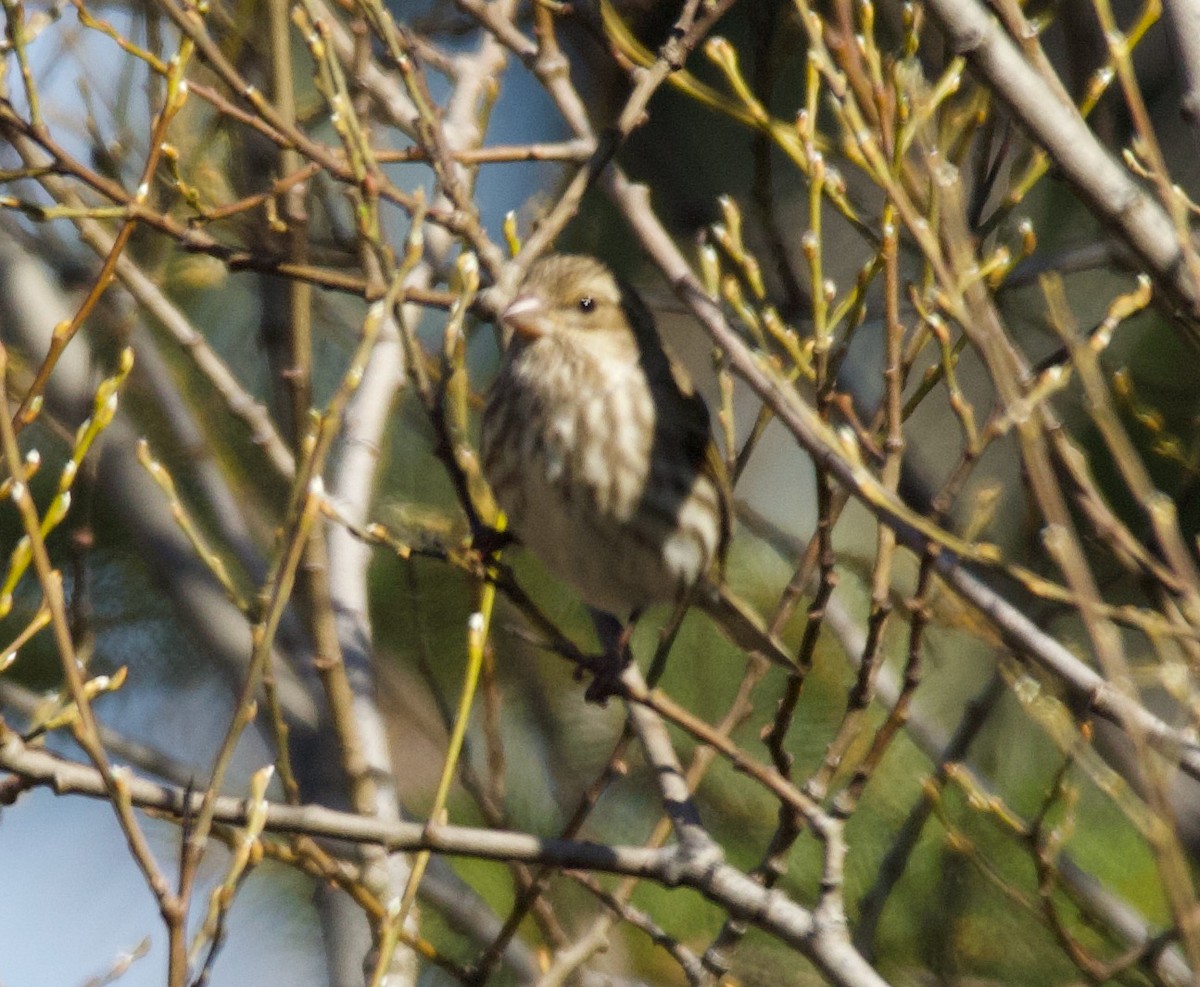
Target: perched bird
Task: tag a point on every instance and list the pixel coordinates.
(599, 448)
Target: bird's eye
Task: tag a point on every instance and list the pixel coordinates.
(586, 303)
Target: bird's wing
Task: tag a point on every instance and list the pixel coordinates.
(702, 451)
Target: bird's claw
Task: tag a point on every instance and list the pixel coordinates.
(487, 541)
(605, 670)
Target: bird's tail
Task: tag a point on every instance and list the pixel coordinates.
(739, 622)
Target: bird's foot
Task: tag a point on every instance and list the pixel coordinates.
(605, 670)
(487, 541)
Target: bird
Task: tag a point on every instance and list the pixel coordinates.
(599, 449)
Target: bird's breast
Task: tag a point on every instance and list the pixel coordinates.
(567, 446)
(585, 427)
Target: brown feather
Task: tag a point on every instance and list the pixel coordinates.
(598, 446)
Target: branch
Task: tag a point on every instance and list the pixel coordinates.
(1089, 691)
(825, 943)
(1130, 213)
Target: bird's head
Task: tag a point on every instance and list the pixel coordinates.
(567, 294)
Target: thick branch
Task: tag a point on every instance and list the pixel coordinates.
(826, 945)
(1126, 209)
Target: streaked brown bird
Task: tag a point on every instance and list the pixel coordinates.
(599, 449)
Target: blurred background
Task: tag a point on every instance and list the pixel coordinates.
(996, 833)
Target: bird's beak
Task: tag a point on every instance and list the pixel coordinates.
(527, 316)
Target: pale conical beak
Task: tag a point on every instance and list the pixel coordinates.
(527, 316)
